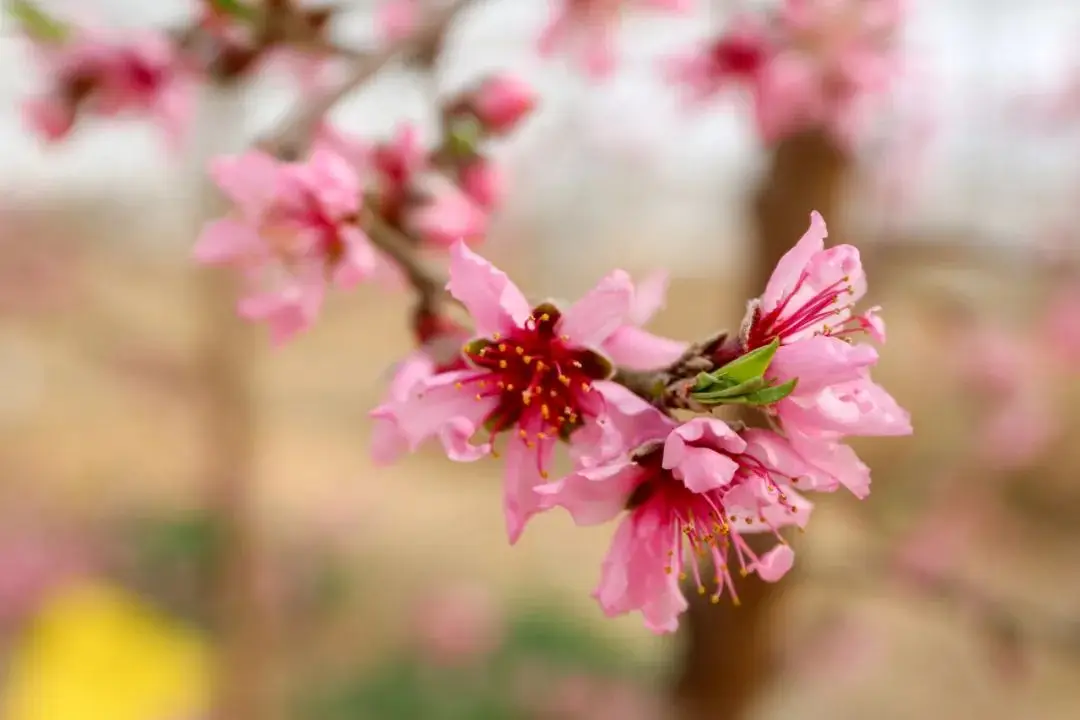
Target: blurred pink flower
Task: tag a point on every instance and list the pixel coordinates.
(447, 217)
(94, 74)
(693, 491)
(293, 231)
(739, 55)
(482, 181)
(586, 28)
(834, 56)
(441, 341)
(32, 564)
(501, 102)
(459, 625)
(534, 374)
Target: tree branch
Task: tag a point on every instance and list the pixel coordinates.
(294, 136)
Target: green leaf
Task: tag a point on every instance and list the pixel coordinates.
(719, 391)
(235, 9)
(465, 135)
(773, 394)
(36, 23)
(749, 366)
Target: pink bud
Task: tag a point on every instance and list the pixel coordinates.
(49, 116)
(501, 102)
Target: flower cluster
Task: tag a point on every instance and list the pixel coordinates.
(539, 376)
(315, 208)
(814, 63)
(93, 74)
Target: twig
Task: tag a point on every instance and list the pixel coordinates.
(429, 283)
(295, 134)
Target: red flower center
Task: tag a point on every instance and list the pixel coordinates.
(544, 385)
(785, 319)
(738, 56)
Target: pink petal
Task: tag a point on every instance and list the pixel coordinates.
(650, 295)
(287, 312)
(794, 262)
(249, 180)
(701, 469)
(819, 361)
(436, 401)
(603, 310)
(593, 496)
(833, 460)
(494, 301)
(456, 438)
(227, 241)
(775, 564)
(522, 477)
(359, 261)
(636, 349)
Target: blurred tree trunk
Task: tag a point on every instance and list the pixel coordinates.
(227, 356)
(727, 650)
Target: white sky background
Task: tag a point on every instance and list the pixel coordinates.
(624, 160)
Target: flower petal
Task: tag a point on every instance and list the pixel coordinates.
(593, 495)
(637, 349)
(791, 266)
(494, 301)
(603, 310)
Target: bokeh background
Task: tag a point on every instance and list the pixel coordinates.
(953, 592)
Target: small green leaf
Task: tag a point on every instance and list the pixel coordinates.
(235, 9)
(465, 135)
(36, 23)
(720, 392)
(773, 394)
(751, 365)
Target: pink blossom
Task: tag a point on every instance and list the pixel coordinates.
(397, 164)
(448, 216)
(440, 352)
(501, 102)
(690, 493)
(533, 373)
(835, 55)
(293, 230)
(740, 54)
(586, 28)
(140, 75)
(808, 304)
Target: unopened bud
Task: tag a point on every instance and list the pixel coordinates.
(501, 102)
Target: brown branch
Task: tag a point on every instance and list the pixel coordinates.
(294, 136)
(429, 283)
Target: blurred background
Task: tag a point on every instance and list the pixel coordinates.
(362, 592)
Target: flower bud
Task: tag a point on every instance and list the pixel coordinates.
(501, 102)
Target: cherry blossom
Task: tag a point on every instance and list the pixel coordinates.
(293, 231)
(533, 375)
(690, 493)
(92, 73)
(808, 306)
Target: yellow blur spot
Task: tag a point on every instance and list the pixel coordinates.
(98, 653)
